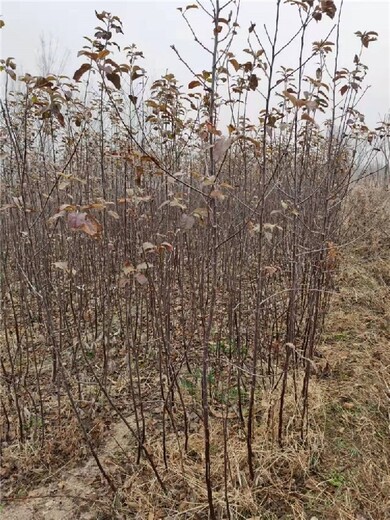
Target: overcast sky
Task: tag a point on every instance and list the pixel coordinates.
(154, 25)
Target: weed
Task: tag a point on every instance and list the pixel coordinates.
(336, 479)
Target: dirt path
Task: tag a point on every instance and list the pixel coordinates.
(72, 495)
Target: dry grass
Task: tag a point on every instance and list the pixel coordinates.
(356, 456)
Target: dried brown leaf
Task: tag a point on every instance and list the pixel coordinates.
(84, 222)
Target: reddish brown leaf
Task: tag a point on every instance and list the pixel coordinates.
(306, 117)
(235, 64)
(195, 83)
(115, 79)
(82, 70)
(317, 15)
(328, 7)
(212, 130)
(253, 82)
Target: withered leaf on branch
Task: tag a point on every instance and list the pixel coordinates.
(200, 213)
(306, 117)
(115, 79)
(253, 82)
(217, 195)
(235, 64)
(148, 246)
(113, 214)
(141, 278)
(366, 38)
(82, 70)
(193, 84)
(128, 268)
(329, 8)
(84, 222)
(166, 246)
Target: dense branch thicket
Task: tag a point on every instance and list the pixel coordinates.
(161, 270)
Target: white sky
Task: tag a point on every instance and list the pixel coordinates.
(154, 25)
